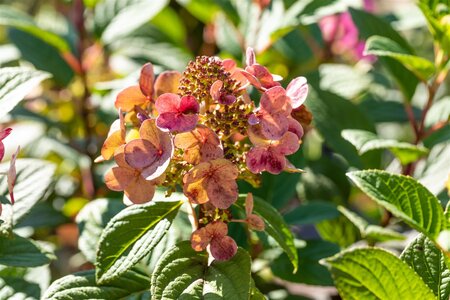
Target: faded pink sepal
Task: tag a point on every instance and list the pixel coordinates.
(250, 57)
(177, 114)
(297, 91)
(12, 175)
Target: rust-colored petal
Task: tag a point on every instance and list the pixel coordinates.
(140, 190)
(223, 248)
(117, 178)
(129, 97)
(140, 153)
(255, 222)
(167, 82)
(200, 239)
(146, 80)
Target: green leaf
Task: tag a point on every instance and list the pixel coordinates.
(310, 271)
(372, 273)
(368, 231)
(365, 141)
(183, 273)
(404, 197)
(441, 135)
(381, 46)
(82, 286)
(339, 231)
(311, 213)
(439, 112)
(14, 18)
(34, 176)
(18, 288)
(21, 252)
(369, 25)
(332, 114)
(276, 227)
(115, 19)
(131, 235)
(91, 220)
(429, 263)
(15, 84)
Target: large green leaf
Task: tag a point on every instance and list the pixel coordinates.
(310, 271)
(339, 231)
(404, 197)
(33, 179)
(276, 227)
(332, 114)
(18, 288)
(21, 252)
(131, 235)
(382, 46)
(429, 263)
(365, 141)
(369, 25)
(82, 286)
(91, 220)
(115, 19)
(15, 84)
(183, 273)
(368, 231)
(372, 273)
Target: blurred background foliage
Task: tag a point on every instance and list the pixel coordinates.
(94, 48)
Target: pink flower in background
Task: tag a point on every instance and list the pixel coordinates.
(342, 36)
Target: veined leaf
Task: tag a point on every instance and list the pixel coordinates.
(429, 263)
(404, 197)
(183, 273)
(15, 84)
(276, 227)
(21, 252)
(369, 231)
(365, 141)
(131, 235)
(91, 220)
(339, 231)
(372, 273)
(382, 46)
(18, 288)
(34, 176)
(82, 286)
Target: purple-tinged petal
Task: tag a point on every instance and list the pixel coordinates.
(177, 122)
(227, 99)
(167, 103)
(189, 105)
(223, 248)
(253, 120)
(297, 91)
(273, 127)
(215, 90)
(287, 145)
(295, 127)
(140, 153)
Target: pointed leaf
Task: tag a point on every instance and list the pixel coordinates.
(365, 141)
(404, 197)
(131, 235)
(276, 227)
(430, 264)
(82, 286)
(21, 252)
(372, 273)
(15, 84)
(183, 273)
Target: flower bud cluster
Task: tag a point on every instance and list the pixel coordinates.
(200, 131)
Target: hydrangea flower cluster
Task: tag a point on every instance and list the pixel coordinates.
(200, 131)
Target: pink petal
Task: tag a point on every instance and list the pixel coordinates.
(189, 104)
(222, 194)
(146, 80)
(200, 239)
(11, 176)
(217, 229)
(295, 127)
(263, 75)
(252, 79)
(250, 57)
(4, 133)
(229, 64)
(259, 159)
(177, 122)
(255, 222)
(273, 127)
(253, 119)
(140, 153)
(167, 102)
(2, 150)
(249, 204)
(164, 154)
(227, 99)
(297, 90)
(223, 248)
(287, 145)
(275, 100)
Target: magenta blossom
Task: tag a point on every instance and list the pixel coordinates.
(259, 76)
(273, 113)
(3, 134)
(177, 114)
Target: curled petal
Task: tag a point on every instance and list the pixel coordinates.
(167, 82)
(130, 97)
(262, 74)
(140, 153)
(297, 91)
(223, 248)
(146, 80)
(252, 79)
(250, 57)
